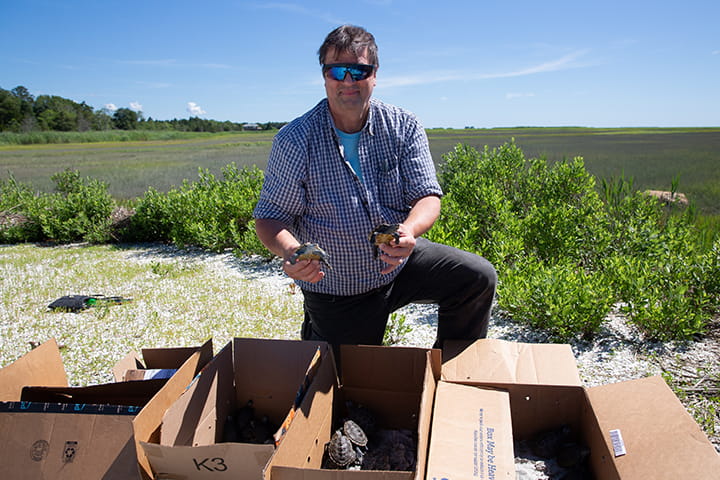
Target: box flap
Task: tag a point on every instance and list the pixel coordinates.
(222, 460)
(191, 420)
(146, 425)
(471, 434)
(366, 366)
(301, 444)
(131, 361)
(166, 357)
(40, 366)
(660, 439)
(119, 393)
(493, 361)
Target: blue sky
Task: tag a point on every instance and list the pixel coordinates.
(454, 63)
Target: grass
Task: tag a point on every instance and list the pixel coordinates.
(179, 299)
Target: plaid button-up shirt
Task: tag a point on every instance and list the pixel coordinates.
(312, 189)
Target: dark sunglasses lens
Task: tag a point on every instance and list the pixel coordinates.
(357, 72)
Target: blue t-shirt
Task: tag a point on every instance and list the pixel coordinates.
(350, 148)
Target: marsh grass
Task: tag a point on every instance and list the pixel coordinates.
(131, 162)
(131, 168)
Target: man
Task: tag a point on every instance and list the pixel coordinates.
(347, 166)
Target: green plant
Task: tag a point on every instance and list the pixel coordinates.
(79, 211)
(396, 330)
(211, 213)
(562, 299)
(567, 252)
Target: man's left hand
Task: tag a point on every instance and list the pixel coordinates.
(394, 254)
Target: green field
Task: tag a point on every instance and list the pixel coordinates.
(653, 157)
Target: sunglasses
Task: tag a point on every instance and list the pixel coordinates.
(357, 71)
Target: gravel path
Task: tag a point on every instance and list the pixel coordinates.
(183, 297)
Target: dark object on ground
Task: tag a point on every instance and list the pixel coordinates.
(77, 303)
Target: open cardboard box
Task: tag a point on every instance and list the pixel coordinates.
(52, 431)
(396, 383)
(660, 440)
(276, 375)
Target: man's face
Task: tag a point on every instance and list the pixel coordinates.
(348, 97)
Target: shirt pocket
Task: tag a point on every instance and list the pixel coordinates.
(390, 189)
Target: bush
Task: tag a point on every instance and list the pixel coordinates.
(79, 211)
(16, 200)
(211, 213)
(567, 251)
(560, 298)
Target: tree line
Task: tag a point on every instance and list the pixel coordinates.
(21, 112)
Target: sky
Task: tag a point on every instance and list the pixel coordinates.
(480, 63)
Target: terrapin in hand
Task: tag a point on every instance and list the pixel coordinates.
(310, 251)
(386, 234)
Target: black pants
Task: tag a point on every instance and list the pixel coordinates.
(461, 283)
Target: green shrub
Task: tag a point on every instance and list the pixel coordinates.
(567, 250)
(564, 300)
(211, 213)
(80, 210)
(16, 200)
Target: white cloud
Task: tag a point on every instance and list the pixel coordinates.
(562, 63)
(135, 106)
(195, 109)
(111, 106)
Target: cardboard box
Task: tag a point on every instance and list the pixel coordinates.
(41, 366)
(60, 432)
(396, 383)
(657, 438)
(275, 374)
(471, 435)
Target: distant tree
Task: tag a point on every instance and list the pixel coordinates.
(10, 111)
(125, 119)
(27, 101)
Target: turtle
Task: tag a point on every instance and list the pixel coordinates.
(340, 451)
(384, 233)
(356, 434)
(310, 251)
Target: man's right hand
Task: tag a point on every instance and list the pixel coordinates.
(305, 270)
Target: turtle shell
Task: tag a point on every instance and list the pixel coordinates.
(356, 434)
(384, 233)
(340, 450)
(309, 251)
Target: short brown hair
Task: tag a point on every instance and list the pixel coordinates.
(350, 38)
